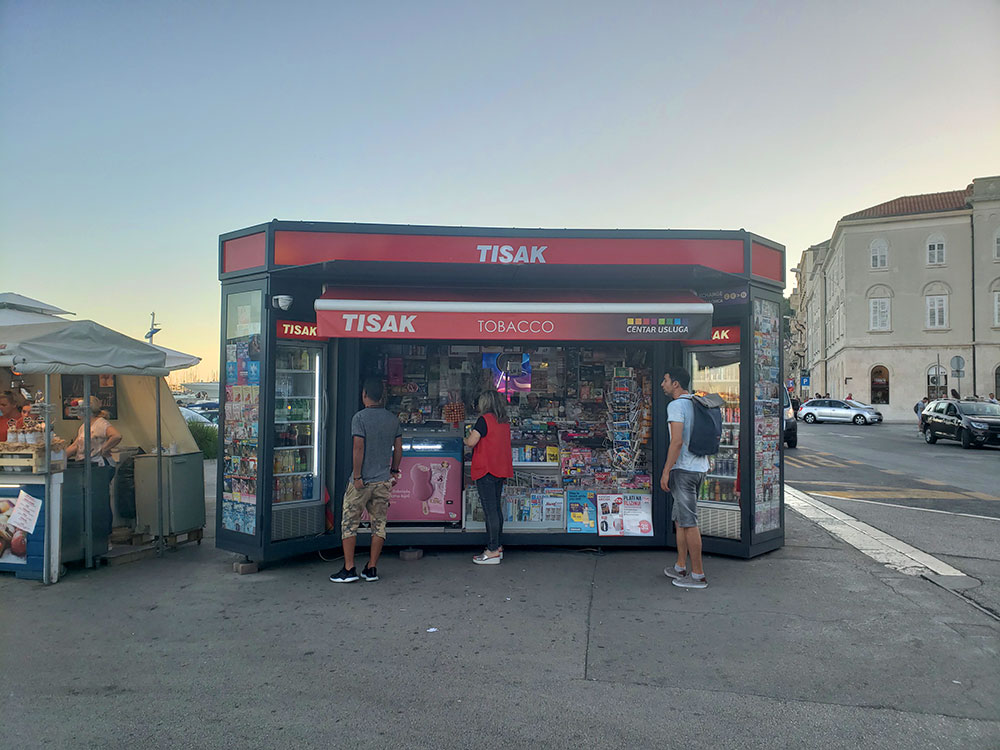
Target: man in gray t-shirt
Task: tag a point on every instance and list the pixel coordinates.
(683, 473)
(377, 450)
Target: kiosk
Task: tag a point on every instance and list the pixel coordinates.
(574, 327)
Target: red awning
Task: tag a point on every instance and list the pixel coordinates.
(496, 314)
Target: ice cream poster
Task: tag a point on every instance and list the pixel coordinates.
(581, 512)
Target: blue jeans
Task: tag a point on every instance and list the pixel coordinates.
(490, 490)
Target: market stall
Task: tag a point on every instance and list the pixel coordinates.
(59, 364)
(574, 327)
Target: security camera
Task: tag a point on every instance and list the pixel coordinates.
(282, 301)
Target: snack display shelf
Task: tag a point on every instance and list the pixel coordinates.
(303, 372)
(292, 473)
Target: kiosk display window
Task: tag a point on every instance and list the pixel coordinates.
(580, 419)
(767, 416)
(241, 412)
(717, 370)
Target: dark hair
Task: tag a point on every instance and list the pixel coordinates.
(680, 375)
(374, 389)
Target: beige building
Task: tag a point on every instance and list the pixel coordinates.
(897, 288)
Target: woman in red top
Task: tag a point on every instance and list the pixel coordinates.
(10, 414)
(491, 467)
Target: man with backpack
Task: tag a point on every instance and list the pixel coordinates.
(682, 476)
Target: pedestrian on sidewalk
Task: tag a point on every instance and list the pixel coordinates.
(993, 399)
(682, 476)
(491, 468)
(377, 453)
(918, 409)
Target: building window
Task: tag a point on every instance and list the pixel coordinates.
(937, 382)
(880, 253)
(935, 250)
(996, 382)
(880, 385)
(937, 310)
(996, 309)
(878, 314)
(996, 246)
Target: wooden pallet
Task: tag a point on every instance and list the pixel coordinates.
(127, 553)
(172, 540)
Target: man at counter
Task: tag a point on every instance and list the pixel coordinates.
(376, 456)
(10, 411)
(682, 476)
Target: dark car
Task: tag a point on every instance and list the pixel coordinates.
(790, 426)
(972, 423)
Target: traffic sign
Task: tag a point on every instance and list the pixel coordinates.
(805, 382)
(958, 373)
(957, 363)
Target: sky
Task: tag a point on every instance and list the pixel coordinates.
(133, 134)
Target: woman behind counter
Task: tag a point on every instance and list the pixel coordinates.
(10, 413)
(103, 437)
(491, 467)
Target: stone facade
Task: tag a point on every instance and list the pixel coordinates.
(899, 286)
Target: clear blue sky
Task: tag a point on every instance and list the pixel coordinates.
(132, 134)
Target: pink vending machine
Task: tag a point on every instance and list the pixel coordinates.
(430, 487)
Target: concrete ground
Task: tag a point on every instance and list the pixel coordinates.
(814, 644)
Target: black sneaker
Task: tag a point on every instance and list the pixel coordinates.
(345, 576)
(369, 574)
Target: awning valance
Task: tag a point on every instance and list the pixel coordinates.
(475, 314)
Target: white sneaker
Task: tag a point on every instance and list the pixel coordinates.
(690, 582)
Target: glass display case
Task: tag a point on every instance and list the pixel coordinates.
(717, 370)
(298, 441)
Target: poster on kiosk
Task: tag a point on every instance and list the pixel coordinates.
(430, 483)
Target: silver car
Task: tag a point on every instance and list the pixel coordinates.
(835, 410)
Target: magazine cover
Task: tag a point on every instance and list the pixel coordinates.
(637, 513)
(609, 515)
(581, 515)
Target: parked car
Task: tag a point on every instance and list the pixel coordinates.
(835, 410)
(790, 428)
(972, 423)
(190, 415)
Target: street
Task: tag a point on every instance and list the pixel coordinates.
(940, 498)
(815, 643)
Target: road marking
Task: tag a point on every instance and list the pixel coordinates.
(933, 481)
(905, 507)
(908, 492)
(982, 496)
(876, 544)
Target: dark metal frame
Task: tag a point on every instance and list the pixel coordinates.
(343, 384)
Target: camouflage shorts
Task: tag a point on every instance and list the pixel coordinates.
(374, 498)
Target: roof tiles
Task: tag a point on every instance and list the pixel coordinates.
(953, 200)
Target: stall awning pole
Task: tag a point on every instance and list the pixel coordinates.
(88, 502)
(160, 542)
(48, 575)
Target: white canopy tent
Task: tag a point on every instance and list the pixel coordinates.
(33, 340)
